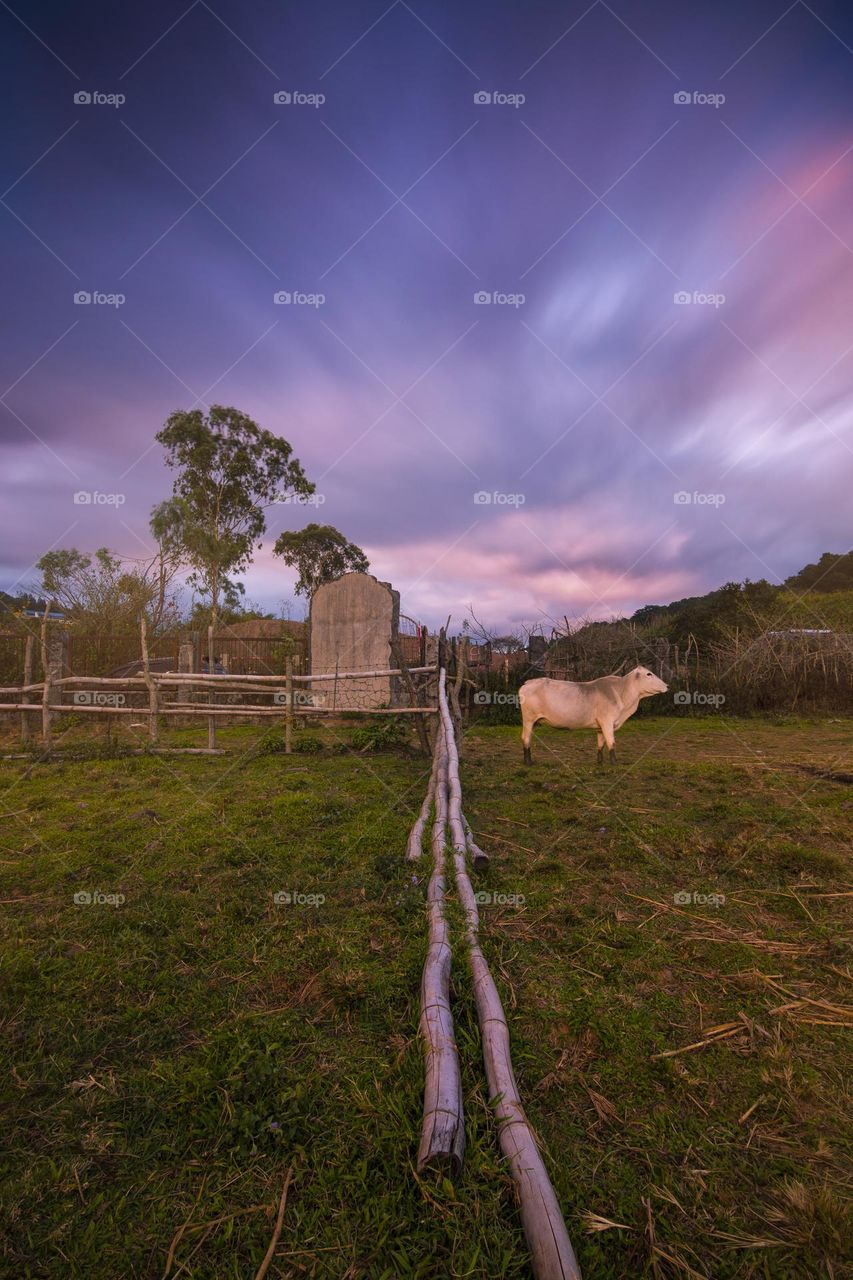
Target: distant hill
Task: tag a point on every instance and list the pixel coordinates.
(831, 573)
(819, 595)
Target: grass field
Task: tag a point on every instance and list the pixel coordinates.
(170, 1058)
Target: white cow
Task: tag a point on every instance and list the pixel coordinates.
(604, 704)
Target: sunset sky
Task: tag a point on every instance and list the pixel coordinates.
(581, 399)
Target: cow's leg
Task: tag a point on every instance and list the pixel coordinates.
(528, 721)
(610, 738)
(600, 747)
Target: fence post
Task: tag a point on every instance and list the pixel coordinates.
(211, 720)
(150, 683)
(288, 718)
(28, 679)
(414, 698)
(45, 688)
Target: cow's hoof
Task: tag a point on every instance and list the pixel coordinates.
(612, 757)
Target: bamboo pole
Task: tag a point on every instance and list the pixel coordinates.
(235, 678)
(443, 1130)
(211, 724)
(152, 687)
(28, 676)
(288, 717)
(551, 1251)
(414, 845)
(192, 708)
(45, 692)
(420, 725)
(479, 857)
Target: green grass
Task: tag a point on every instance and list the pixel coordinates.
(170, 1058)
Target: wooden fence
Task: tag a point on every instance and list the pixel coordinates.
(214, 698)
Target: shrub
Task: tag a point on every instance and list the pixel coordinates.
(382, 733)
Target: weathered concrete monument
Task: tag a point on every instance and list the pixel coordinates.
(351, 624)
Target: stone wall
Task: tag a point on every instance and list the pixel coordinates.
(351, 623)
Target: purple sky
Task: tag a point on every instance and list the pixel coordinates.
(580, 411)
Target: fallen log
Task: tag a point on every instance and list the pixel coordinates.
(414, 845)
(551, 1251)
(443, 1131)
(479, 857)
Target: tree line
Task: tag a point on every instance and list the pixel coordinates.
(227, 472)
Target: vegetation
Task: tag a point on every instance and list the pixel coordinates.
(229, 470)
(169, 1059)
(831, 573)
(320, 554)
(105, 592)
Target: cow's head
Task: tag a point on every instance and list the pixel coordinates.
(647, 682)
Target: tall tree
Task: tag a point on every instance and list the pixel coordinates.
(229, 470)
(104, 593)
(320, 554)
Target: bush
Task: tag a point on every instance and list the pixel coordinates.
(273, 745)
(383, 733)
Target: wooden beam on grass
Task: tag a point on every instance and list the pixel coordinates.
(443, 1130)
(551, 1252)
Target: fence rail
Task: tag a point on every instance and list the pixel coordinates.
(293, 697)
